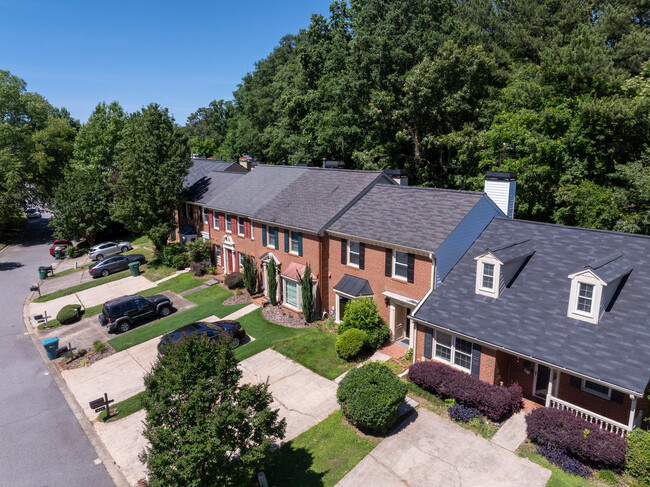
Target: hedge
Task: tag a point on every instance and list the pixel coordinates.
(68, 314)
(564, 461)
(638, 455)
(350, 343)
(234, 280)
(495, 402)
(585, 441)
(370, 397)
(463, 413)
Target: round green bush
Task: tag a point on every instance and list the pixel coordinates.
(370, 397)
(234, 280)
(363, 314)
(350, 343)
(181, 261)
(69, 314)
(637, 458)
(168, 253)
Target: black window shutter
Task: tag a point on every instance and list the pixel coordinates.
(428, 342)
(277, 238)
(476, 359)
(410, 271)
(575, 381)
(389, 263)
(362, 255)
(286, 240)
(344, 251)
(617, 396)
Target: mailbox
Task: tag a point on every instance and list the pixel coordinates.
(97, 403)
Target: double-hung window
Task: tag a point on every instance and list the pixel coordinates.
(228, 223)
(353, 253)
(271, 234)
(400, 265)
(292, 294)
(240, 226)
(215, 220)
(585, 297)
(293, 243)
(188, 211)
(487, 280)
(453, 350)
(204, 215)
(596, 389)
(241, 259)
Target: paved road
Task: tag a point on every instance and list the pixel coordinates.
(41, 442)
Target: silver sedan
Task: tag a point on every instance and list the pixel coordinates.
(103, 250)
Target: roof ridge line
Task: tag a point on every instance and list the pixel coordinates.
(557, 225)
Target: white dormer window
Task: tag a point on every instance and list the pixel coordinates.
(488, 275)
(585, 296)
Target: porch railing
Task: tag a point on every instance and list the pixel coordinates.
(603, 422)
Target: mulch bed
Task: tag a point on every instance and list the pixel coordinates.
(242, 298)
(274, 314)
(85, 360)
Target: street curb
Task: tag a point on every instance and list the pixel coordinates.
(100, 449)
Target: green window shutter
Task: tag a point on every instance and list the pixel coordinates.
(264, 235)
(286, 240)
(362, 255)
(275, 233)
(344, 251)
(428, 342)
(300, 244)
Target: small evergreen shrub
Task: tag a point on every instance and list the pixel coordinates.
(199, 250)
(250, 277)
(307, 292)
(463, 413)
(568, 433)
(99, 346)
(69, 314)
(180, 261)
(234, 280)
(638, 455)
(168, 253)
(273, 283)
(564, 461)
(350, 343)
(363, 314)
(494, 402)
(370, 397)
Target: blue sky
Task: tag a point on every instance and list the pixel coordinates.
(179, 54)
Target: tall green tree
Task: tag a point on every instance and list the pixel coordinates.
(203, 427)
(207, 129)
(152, 162)
(97, 141)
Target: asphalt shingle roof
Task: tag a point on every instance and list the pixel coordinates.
(353, 286)
(201, 167)
(419, 218)
(211, 185)
(530, 317)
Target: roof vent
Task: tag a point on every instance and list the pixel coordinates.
(400, 176)
(333, 164)
(501, 187)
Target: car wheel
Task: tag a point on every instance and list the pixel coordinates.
(124, 326)
(164, 311)
(234, 343)
(105, 273)
(100, 257)
(125, 249)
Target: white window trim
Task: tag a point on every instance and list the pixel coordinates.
(483, 286)
(241, 221)
(217, 255)
(269, 232)
(496, 278)
(356, 266)
(228, 223)
(607, 396)
(252, 230)
(585, 277)
(205, 236)
(395, 276)
(286, 279)
(215, 220)
(188, 211)
(451, 361)
(204, 215)
(291, 249)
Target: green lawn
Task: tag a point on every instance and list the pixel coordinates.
(124, 408)
(141, 240)
(178, 284)
(315, 350)
(209, 302)
(70, 271)
(156, 270)
(81, 287)
(321, 456)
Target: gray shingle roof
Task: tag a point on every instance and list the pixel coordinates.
(530, 317)
(211, 185)
(419, 218)
(311, 200)
(611, 267)
(509, 252)
(353, 286)
(201, 167)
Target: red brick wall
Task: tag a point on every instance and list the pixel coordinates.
(488, 365)
(373, 272)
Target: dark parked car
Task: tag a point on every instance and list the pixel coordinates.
(114, 264)
(213, 331)
(32, 213)
(122, 313)
(59, 244)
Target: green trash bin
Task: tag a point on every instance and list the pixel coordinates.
(135, 268)
(51, 345)
(42, 273)
(57, 253)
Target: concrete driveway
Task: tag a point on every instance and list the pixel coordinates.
(303, 397)
(429, 451)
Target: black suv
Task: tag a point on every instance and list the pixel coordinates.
(121, 313)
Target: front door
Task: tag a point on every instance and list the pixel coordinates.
(401, 325)
(542, 376)
(231, 262)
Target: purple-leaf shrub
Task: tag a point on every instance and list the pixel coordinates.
(462, 413)
(566, 432)
(495, 402)
(564, 461)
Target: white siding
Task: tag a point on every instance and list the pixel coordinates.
(503, 194)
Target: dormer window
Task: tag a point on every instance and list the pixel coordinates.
(585, 297)
(488, 276)
(498, 266)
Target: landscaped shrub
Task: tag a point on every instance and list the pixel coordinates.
(463, 413)
(199, 250)
(495, 402)
(370, 397)
(566, 432)
(638, 455)
(608, 477)
(250, 277)
(168, 253)
(363, 314)
(99, 346)
(234, 280)
(307, 293)
(564, 461)
(68, 314)
(181, 261)
(350, 343)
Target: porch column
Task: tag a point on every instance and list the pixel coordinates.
(630, 423)
(551, 376)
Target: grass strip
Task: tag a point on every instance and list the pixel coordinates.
(178, 284)
(70, 271)
(559, 478)
(322, 455)
(124, 408)
(82, 287)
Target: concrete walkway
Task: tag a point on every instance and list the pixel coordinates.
(429, 451)
(512, 433)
